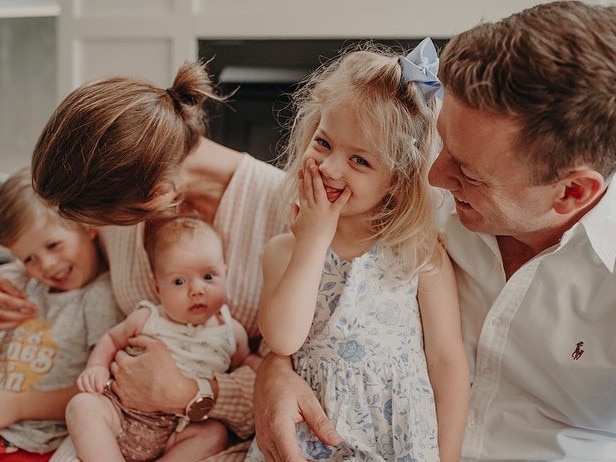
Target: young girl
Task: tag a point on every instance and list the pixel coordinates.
(361, 292)
(189, 276)
(59, 267)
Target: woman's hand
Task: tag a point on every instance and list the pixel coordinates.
(282, 399)
(151, 381)
(14, 305)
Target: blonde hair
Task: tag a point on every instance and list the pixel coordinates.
(20, 207)
(401, 127)
(164, 232)
(552, 68)
(111, 142)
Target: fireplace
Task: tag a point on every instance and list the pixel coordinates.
(261, 74)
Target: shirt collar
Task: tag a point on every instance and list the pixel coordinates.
(600, 226)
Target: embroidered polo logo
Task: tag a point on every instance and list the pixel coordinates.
(578, 352)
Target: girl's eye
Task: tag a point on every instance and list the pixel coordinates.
(178, 282)
(360, 161)
(53, 245)
(208, 277)
(322, 142)
(29, 259)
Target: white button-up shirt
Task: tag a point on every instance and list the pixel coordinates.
(542, 345)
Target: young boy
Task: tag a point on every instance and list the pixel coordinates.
(59, 267)
(189, 276)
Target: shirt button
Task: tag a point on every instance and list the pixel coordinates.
(496, 322)
(471, 424)
(486, 370)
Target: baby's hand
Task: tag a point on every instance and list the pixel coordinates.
(253, 361)
(93, 379)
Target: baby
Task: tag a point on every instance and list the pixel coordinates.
(186, 257)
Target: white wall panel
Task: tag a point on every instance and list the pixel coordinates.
(103, 27)
(136, 57)
(112, 8)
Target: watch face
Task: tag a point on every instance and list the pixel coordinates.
(200, 409)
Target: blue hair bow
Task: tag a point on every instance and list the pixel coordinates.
(421, 66)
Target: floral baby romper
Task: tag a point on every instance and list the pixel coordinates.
(365, 360)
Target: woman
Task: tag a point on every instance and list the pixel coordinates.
(120, 151)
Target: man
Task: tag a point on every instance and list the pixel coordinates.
(528, 125)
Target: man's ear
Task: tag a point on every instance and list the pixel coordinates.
(579, 189)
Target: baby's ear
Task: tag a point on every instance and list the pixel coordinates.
(154, 284)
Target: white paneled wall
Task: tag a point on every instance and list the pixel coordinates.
(27, 85)
(49, 47)
(152, 38)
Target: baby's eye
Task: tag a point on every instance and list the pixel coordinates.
(360, 161)
(29, 259)
(178, 282)
(53, 245)
(208, 277)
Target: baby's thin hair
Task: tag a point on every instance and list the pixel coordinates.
(166, 231)
(400, 126)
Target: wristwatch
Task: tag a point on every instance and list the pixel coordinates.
(198, 409)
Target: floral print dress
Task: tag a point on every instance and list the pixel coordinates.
(365, 360)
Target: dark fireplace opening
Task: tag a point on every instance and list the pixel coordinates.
(260, 74)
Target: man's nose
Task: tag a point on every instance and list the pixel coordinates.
(442, 173)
